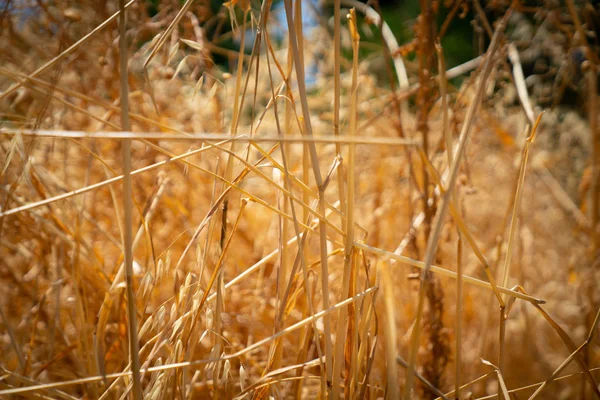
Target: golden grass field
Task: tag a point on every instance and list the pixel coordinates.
(262, 237)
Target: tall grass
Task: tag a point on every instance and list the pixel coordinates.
(252, 239)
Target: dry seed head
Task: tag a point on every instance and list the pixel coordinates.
(243, 377)
(156, 374)
(176, 325)
(173, 313)
(209, 318)
(159, 269)
(146, 284)
(72, 14)
(146, 326)
(178, 350)
(226, 368)
(203, 336)
(159, 322)
(156, 391)
(199, 255)
(168, 260)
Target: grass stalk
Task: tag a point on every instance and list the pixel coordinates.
(132, 331)
(337, 57)
(349, 212)
(389, 331)
(220, 316)
(449, 274)
(299, 68)
(459, 315)
(301, 254)
(511, 237)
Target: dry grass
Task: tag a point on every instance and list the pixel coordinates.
(260, 237)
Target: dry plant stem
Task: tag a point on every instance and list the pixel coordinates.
(425, 382)
(389, 331)
(444, 96)
(459, 313)
(336, 100)
(433, 238)
(566, 362)
(228, 175)
(300, 257)
(501, 384)
(535, 385)
(466, 385)
(166, 367)
(424, 39)
(511, 238)
(349, 212)
(301, 246)
(319, 181)
(132, 331)
(513, 54)
(68, 51)
(284, 203)
(209, 137)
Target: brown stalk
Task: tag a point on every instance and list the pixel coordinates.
(128, 210)
(389, 332)
(336, 107)
(338, 359)
(299, 68)
(301, 253)
(208, 137)
(511, 237)
(237, 106)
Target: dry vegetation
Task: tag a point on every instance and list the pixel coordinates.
(342, 239)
